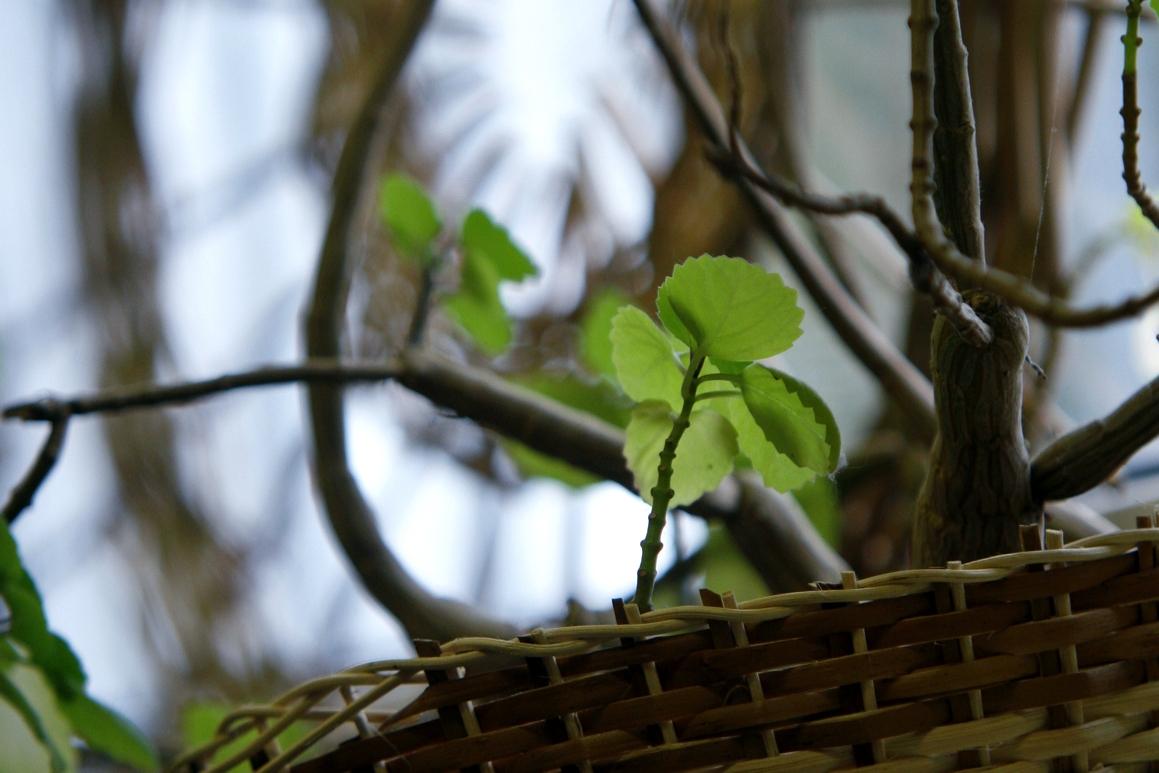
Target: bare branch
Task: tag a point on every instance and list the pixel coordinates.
(769, 527)
(1092, 37)
(902, 381)
(25, 491)
(1130, 113)
(955, 148)
(1085, 457)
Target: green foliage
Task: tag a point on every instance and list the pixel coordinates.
(718, 314)
(729, 309)
(707, 450)
(822, 504)
(596, 332)
(410, 218)
(647, 366)
(199, 723)
(489, 256)
(726, 567)
(28, 644)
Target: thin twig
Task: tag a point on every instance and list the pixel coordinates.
(1130, 112)
(1092, 37)
(902, 381)
(25, 491)
(418, 322)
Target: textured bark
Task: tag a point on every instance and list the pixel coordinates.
(977, 490)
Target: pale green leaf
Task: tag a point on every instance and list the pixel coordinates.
(477, 308)
(729, 309)
(34, 734)
(776, 470)
(484, 239)
(785, 420)
(704, 455)
(646, 366)
(596, 331)
(410, 218)
(107, 732)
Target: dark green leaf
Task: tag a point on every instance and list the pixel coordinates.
(729, 309)
(785, 420)
(821, 413)
(109, 733)
(410, 218)
(727, 569)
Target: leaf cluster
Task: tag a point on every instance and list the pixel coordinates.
(720, 315)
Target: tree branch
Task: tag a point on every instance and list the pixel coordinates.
(25, 491)
(902, 381)
(1130, 113)
(769, 527)
(1085, 457)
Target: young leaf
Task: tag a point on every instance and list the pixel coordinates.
(703, 458)
(596, 331)
(410, 217)
(645, 363)
(729, 309)
(489, 256)
(109, 733)
(785, 420)
(776, 470)
(484, 239)
(821, 413)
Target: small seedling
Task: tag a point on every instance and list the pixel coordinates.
(703, 403)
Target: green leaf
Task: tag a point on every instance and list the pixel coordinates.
(785, 420)
(776, 470)
(34, 735)
(1155, 6)
(646, 365)
(727, 569)
(821, 413)
(596, 331)
(410, 217)
(821, 503)
(729, 309)
(484, 239)
(107, 732)
(489, 256)
(704, 455)
(28, 626)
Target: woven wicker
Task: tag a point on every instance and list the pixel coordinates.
(1040, 660)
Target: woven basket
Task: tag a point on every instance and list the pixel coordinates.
(1040, 660)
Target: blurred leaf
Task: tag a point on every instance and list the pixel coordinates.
(34, 735)
(821, 503)
(703, 457)
(199, 723)
(596, 331)
(489, 256)
(599, 399)
(785, 420)
(484, 239)
(410, 218)
(726, 568)
(1155, 6)
(646, 365)
(107, 732)
(729, 309)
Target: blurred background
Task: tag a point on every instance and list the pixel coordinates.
(166, 187)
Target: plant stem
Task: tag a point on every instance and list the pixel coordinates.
(662, 491)
(731, 378)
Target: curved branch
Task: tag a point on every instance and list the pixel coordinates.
(351, 517)
(904, 382)
(1085, 457)
(25, 491)
(1130, 112)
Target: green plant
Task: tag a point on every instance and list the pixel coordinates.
(43, 684)
(700, 392)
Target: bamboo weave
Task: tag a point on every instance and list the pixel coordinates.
(1038, 660)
